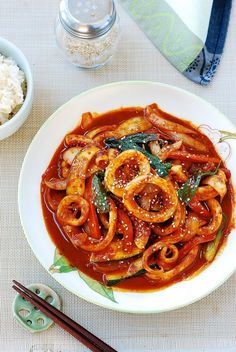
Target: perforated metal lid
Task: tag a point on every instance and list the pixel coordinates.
(87, 18)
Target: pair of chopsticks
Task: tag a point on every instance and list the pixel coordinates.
(76, 330)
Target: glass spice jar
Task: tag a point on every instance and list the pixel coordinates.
(87, 31)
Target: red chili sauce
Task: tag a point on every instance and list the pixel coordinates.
(80, 258)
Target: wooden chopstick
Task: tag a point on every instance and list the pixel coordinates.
(58, 321)
(73, 328)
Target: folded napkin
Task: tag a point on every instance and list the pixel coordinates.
(190, 34)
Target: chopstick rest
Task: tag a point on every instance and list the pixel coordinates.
(28, 316)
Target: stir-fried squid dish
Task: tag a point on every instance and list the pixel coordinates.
(137, 199)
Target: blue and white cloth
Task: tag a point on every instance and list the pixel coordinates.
(189, 33)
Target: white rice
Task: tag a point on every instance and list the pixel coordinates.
(11, 88)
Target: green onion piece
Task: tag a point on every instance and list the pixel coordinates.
(189, 188)
(212, 246)
(99, 195)
(137, 142)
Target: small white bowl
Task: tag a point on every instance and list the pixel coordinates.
(10, 50)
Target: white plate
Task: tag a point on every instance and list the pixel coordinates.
(174, 100)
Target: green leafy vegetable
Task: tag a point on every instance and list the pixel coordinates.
(137, 141)
(99, 195)
(189, 188)
(212, 246)
(130, 142)
(98, 287)
(60, 264)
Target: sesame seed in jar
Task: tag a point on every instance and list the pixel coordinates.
(91, 39)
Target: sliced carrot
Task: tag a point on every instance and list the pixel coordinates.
(125, 227)
(196, 158)
(199, 208)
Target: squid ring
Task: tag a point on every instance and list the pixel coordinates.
(81, 162)
(104, 220)
(178, 220)
(70, 153)
(73, 140)
(110, 175)
(68, 210)
(167, 257)
(162, 248)
(79, 168)
(170, 198)
(102, 161)
(96, 131)
(161, 275)
(216, 221)
(58, 184)
(218, 183)
(205, 192)
(164, 254)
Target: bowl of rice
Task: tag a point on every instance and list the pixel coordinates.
(16, 88)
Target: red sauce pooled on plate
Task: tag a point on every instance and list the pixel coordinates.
(80, 258)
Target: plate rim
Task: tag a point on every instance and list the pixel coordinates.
(114, 307)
